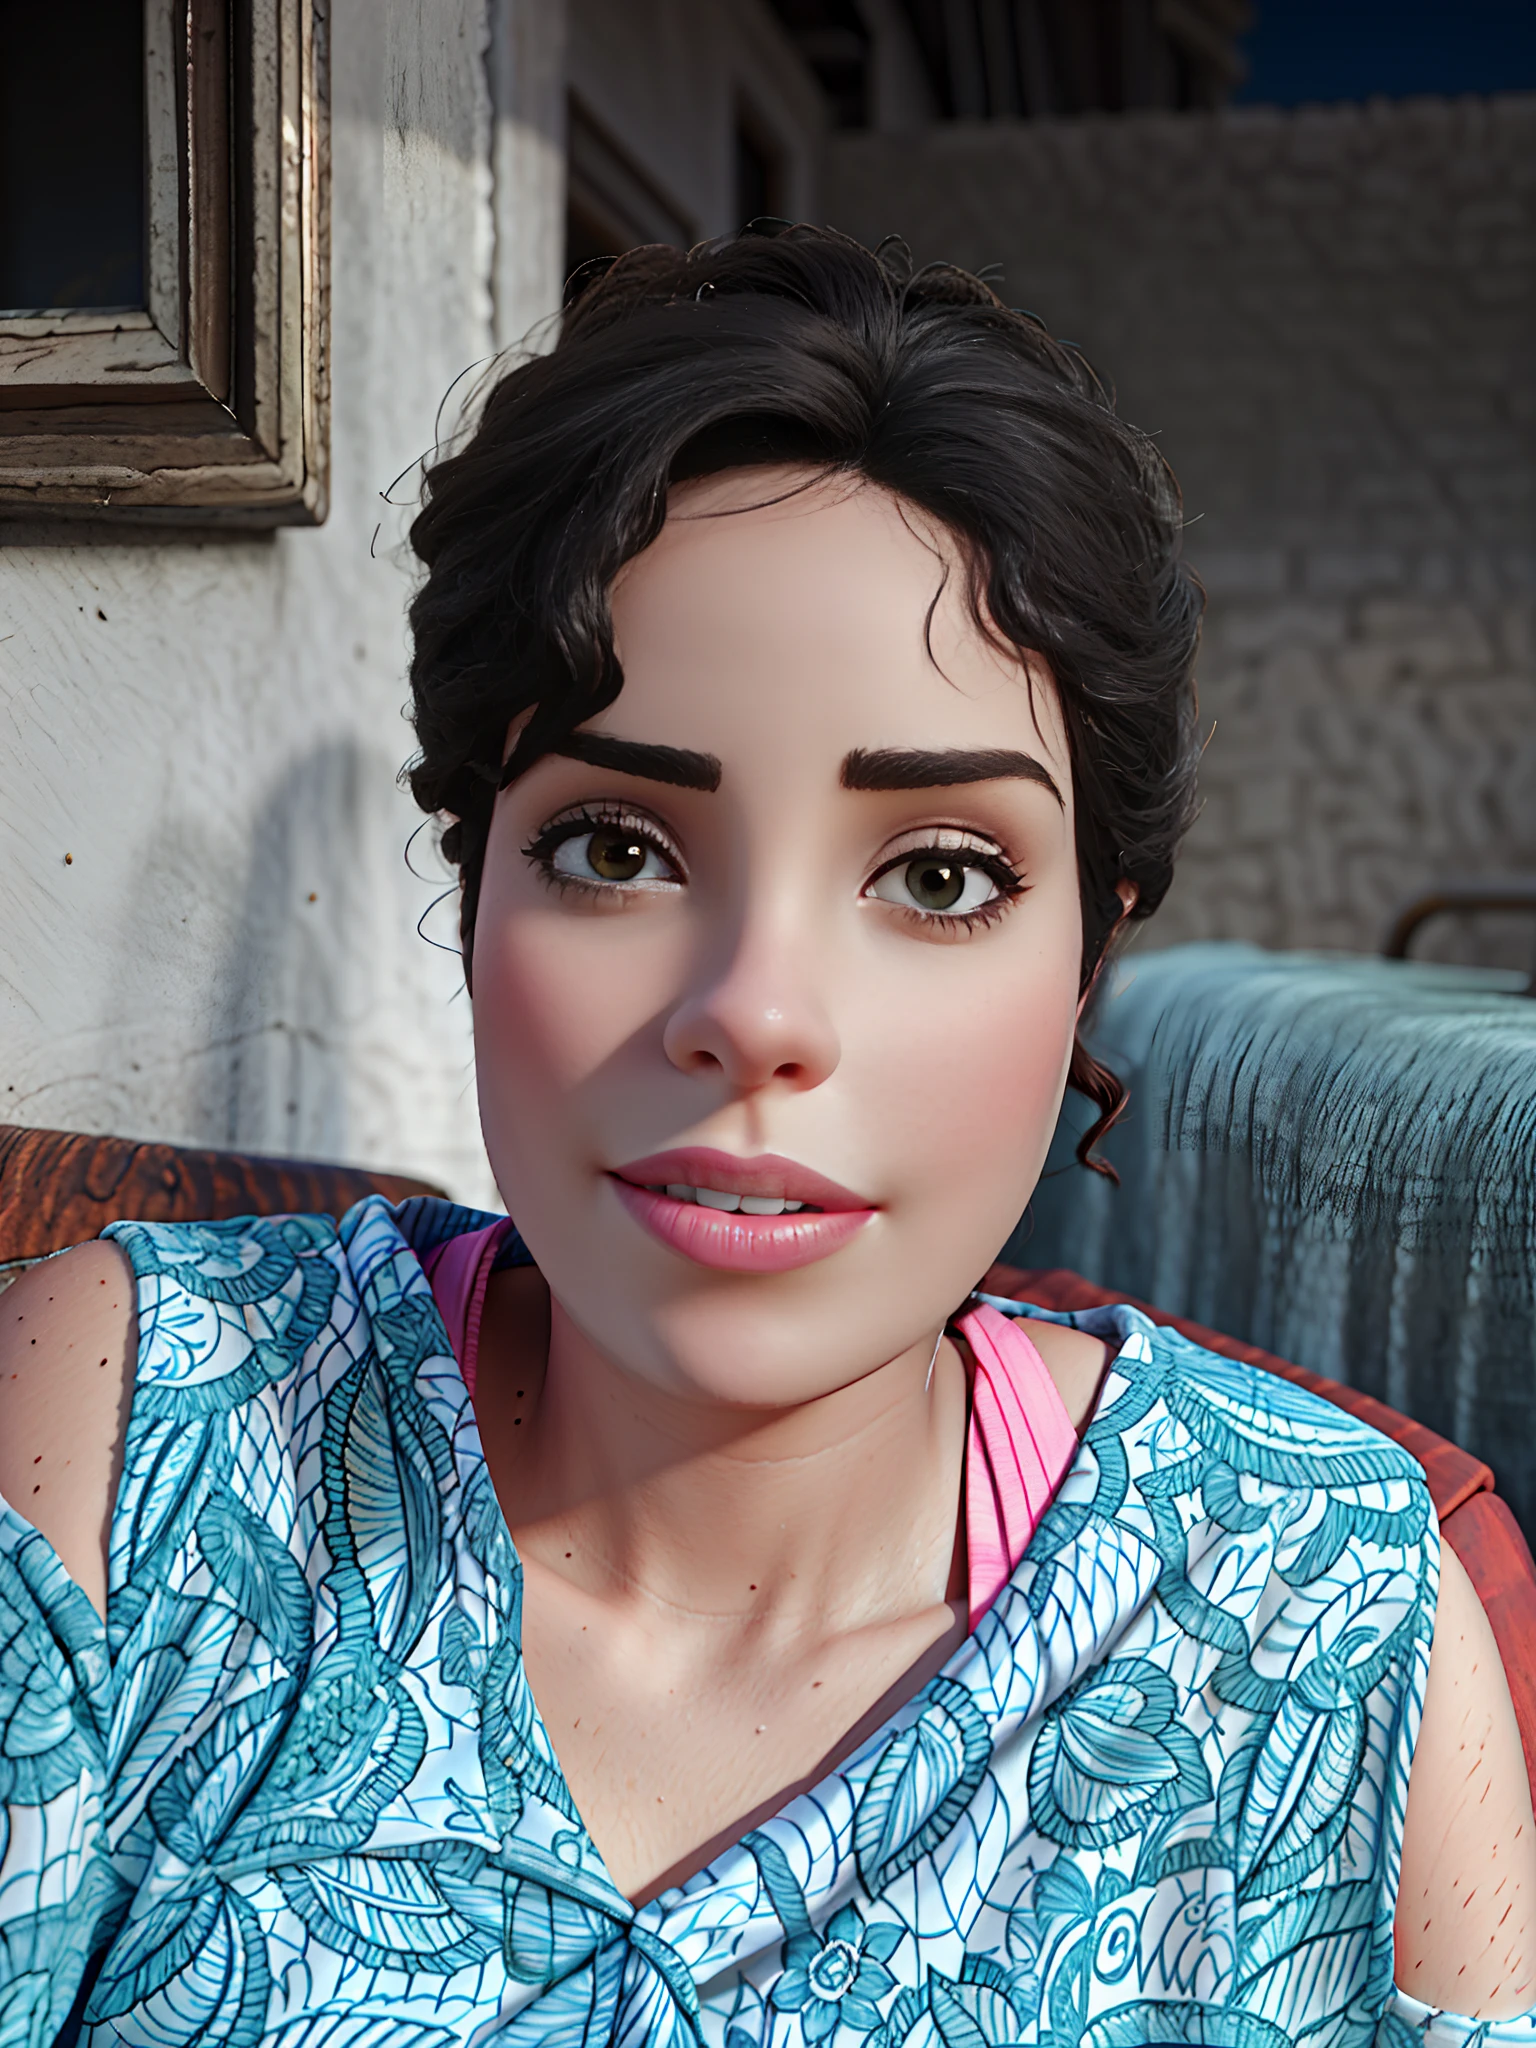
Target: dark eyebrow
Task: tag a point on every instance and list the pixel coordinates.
(920, 768)
(680, 766)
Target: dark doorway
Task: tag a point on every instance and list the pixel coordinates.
(759, 179)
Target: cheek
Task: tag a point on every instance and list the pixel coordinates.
(563, 1005)
(541, 1019)
(562, 1008)
(549, 1007)
(974, 1080)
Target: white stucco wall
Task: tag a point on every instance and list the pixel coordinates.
(211, 726)
(1328, 317)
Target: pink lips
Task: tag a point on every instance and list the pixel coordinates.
(725, 1239)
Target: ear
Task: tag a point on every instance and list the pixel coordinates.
(1128, 893)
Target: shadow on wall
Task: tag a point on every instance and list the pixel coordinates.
(288, 992)
(296, 1008)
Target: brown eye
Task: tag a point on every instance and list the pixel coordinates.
(938, 884)
(615, 853)
(605, 850)
(935, 884)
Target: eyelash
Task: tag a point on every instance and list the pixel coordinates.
(544, 845)
(1010, 884)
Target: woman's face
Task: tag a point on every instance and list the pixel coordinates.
(802, 926)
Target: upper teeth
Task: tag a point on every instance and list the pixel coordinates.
(749, 1205)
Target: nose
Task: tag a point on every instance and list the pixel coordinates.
(762, 1017)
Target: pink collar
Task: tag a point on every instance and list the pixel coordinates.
(1020, 1444)
(1020, 1440)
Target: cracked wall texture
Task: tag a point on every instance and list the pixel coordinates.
(1326, 317)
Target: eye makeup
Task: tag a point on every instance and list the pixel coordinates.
(937, 876)
(602, 848)
(948, 880)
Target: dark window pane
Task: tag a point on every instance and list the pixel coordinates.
(71, 154)
(833, 38)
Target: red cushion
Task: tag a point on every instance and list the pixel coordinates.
(58, 1188)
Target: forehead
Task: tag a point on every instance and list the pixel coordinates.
(776, 608)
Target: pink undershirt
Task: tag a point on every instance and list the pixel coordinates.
(1018, 1447)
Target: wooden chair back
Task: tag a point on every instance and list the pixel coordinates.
(58, 1188)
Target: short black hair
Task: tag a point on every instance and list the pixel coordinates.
(799, 345)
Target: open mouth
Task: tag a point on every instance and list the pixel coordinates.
(745, 1205)
(766, 1185)
(762, 1215)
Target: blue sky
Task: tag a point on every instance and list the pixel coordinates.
(1349, 49)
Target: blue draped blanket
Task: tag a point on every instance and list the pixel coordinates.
(1331, 1157)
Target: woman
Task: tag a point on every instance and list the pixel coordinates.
(695, 1616)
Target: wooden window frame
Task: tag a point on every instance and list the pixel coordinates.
(210, 407)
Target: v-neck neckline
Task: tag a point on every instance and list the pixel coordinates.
(469, 1457)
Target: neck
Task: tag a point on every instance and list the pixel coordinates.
(834, 1515)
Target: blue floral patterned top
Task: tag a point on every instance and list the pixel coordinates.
(295, 1792)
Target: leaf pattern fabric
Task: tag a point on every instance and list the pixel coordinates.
(296, 1793)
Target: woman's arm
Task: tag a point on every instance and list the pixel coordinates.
(1467, 1895)
(68, 1342)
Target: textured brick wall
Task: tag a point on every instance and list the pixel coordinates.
(1326, 316)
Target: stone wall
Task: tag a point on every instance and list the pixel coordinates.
(1326, 317)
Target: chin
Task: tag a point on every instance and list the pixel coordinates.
(746, 1359)
(751, 1340)
(778, 1341)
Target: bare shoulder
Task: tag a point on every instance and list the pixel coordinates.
(68, 1342)
(1466, 1902)
(1075, 1361)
